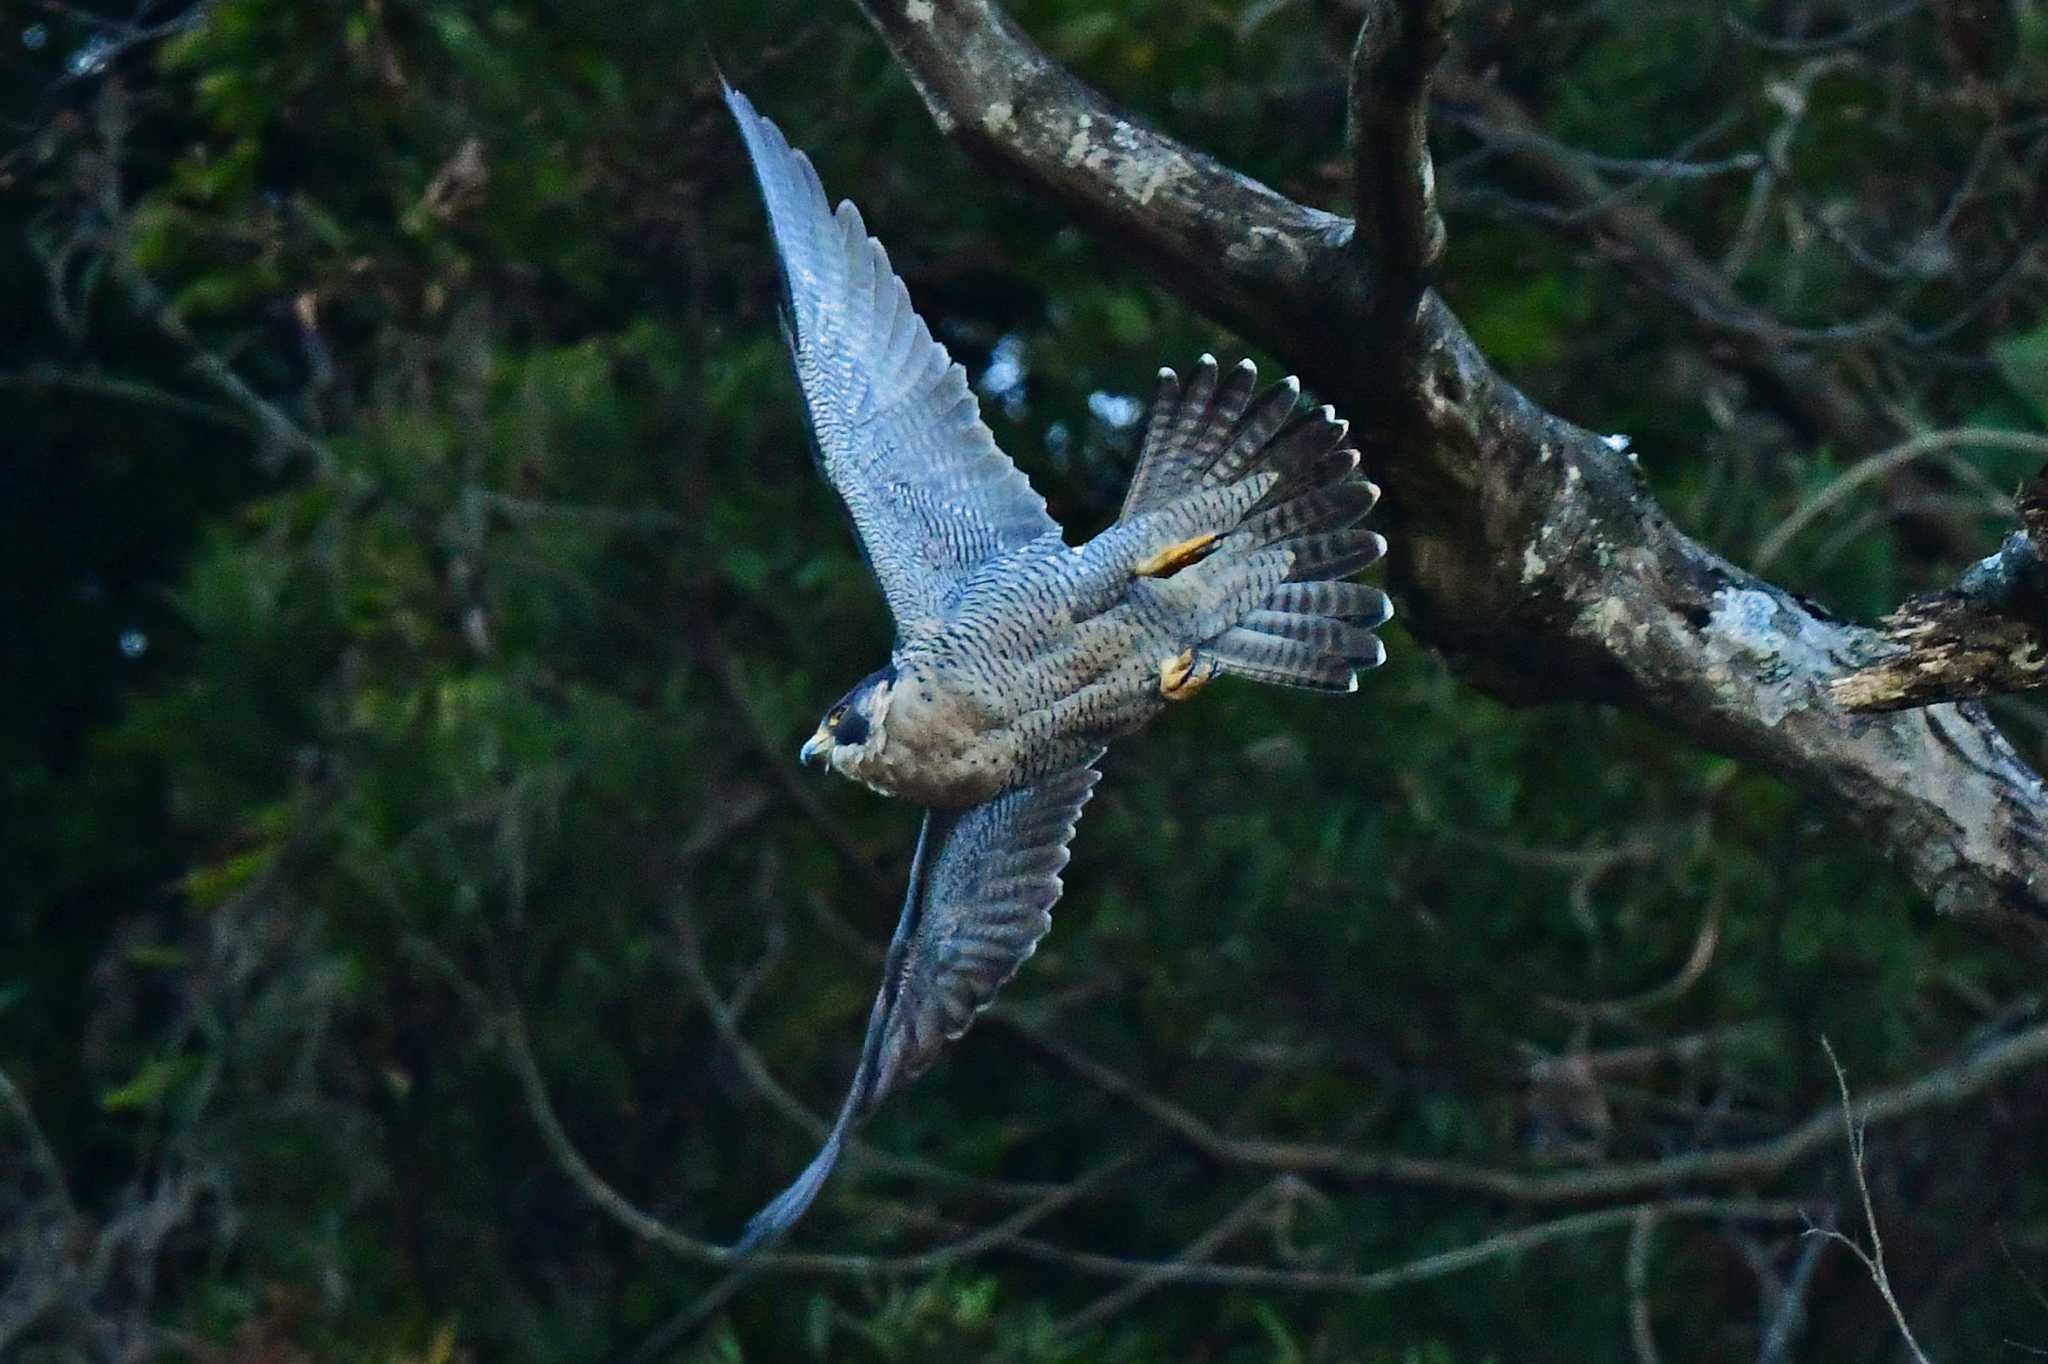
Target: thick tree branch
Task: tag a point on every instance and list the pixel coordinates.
(1400, 233)
(1252, 257)
(1528, 550)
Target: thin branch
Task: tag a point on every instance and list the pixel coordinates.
(1674, 167)
(622, 1210)
(1641, 173)
(1203, 1247)
(1009, 1234)
(1656, 255)
(1946, 1087)
(1689, 974)
(1344, 1282)
(126, 390)
(1636, 1276)
(1848, 37)
(1886, 462)
(1788, 1307)
(39, 1148)
(1873, 1259)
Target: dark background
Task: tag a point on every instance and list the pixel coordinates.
(414, 587)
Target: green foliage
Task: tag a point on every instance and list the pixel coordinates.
(498, 702)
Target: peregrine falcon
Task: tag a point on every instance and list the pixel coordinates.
(1018, 656)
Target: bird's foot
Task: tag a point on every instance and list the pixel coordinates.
(1184, 674)
(1176, 557)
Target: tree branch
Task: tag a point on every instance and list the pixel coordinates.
(1528, 550)
(1872, 1259)
(1880, 465)
(1400, 233)
(1235, 248)
(1659, 258)
(1507, 1243)
(1985, 636)
(1942, 1088)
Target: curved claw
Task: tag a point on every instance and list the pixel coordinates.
(1184, 674)
(1175, 557)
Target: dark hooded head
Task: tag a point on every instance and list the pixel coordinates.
(854, 725)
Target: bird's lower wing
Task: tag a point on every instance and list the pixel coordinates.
(982, 888)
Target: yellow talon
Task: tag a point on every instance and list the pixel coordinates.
(1176, 557)
(1178, 679)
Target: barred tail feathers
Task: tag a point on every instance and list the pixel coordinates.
(1268, 600)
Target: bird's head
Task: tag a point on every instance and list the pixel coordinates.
(852, 729)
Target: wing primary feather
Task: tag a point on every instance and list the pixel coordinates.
(768, 1225)
(893, 420)
(983, 883)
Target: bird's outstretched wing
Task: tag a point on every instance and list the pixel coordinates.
(898, 430)
(982, 887)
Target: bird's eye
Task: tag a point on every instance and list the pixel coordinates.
(838, 714)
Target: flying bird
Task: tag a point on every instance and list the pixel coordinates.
(1018, 656)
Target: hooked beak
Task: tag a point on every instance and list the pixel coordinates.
(816, 750)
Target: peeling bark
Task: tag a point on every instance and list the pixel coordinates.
(1986, 636)
(1527, 550)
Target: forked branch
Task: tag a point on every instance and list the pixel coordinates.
(1528, 550)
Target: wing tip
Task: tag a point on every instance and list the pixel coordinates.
(786, 1208)
(736, 101)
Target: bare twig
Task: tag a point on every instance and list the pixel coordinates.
(1637, 1277)
(1344, 1282)
(1848, 37)
(1887, 462)
(1942, 1088)
(596, 1190)
(1872, 1259)
(1688, 975)
(126, 390)
(149, 300)
(1245, 1214)
(1656, 255)
(1788, 1305)
(1010, 1233)
(39, 1148)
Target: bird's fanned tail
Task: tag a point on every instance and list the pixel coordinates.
(1264, 583)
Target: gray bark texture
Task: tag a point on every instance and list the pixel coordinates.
(1527, 550)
